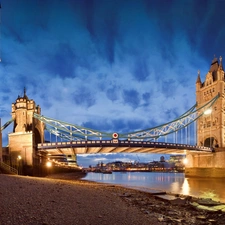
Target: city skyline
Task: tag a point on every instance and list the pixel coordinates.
(110, 65)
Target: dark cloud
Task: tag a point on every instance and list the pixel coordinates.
(146, 96)
(112, 93)
(141, 72)
(89, 11)
(131, 97)
(169, 87)
(63, 62)
(83, 97)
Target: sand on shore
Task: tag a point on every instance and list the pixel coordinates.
(64, 199)
(44, 201)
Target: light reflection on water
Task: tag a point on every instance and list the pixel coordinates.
(169, 182)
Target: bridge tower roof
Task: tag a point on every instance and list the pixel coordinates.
(24, 96)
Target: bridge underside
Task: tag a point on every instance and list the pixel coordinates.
(116, 146)
(95, 150)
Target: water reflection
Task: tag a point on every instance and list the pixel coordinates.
(169, 182)
(207, 188)
(185, 189)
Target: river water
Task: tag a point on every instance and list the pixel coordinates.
(175, 183)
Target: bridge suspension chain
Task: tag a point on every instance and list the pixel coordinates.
(6, 124)
(70, 131)
(181, 122)
(74, 132)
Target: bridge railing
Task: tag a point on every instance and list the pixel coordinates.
(8, 168)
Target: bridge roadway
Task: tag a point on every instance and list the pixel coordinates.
(117, 146)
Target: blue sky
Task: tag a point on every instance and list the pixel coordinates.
(111, 65)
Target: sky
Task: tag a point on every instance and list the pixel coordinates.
(110, 65)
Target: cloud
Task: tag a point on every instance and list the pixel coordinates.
(131, 97)
(108, 65)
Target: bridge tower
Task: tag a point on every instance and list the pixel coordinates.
(27, 132)
(211, 126)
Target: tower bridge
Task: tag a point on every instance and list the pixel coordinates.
(206, 157)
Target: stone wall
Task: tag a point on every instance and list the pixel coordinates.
(21, 145)
(205, 172)
(205, 164)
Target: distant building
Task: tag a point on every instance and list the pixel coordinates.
(177, 160)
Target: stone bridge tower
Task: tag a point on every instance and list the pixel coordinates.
(27, 132)
(210, 126)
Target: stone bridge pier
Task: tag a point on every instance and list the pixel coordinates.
(206, 164)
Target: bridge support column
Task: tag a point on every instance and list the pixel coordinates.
(205, 165)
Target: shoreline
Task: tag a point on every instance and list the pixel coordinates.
(66, 199)
(164, 195)
(198, 193)
(77, 176)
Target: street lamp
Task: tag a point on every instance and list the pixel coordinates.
(49, 165)
(185, 161)
(208, 111)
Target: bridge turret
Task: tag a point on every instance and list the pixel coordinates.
(198, 86)
(27, 131)
(22, 113)
(220, 72)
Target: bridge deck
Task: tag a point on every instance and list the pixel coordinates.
(117, 146)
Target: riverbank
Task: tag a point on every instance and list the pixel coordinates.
(64, 199)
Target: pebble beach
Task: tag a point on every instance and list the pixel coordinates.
(67, 200)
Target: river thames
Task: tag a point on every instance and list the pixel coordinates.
(175, 183)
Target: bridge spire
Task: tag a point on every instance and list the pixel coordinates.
(198, 78)
(24, 94)
(221, 65)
